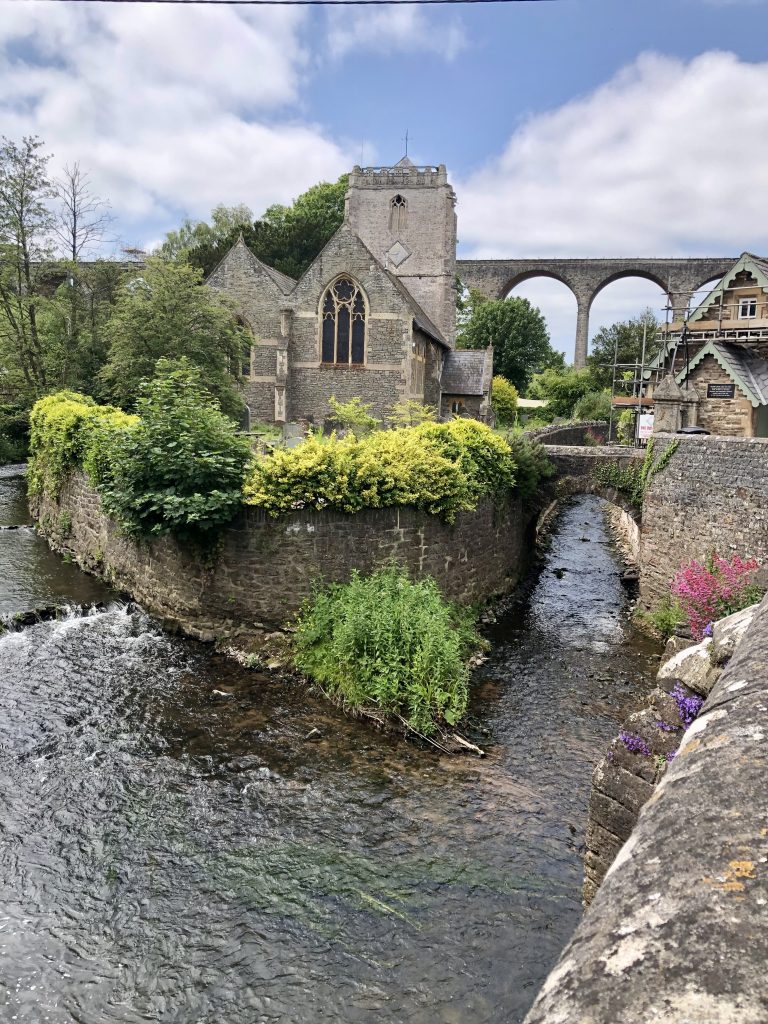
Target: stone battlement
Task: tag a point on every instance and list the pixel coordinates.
(400, 176)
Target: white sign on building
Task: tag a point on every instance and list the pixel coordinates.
(644, 426)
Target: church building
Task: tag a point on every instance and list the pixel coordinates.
(373, 317)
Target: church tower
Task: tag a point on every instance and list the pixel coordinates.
(406, 217)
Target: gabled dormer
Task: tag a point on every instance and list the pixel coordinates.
(740, 299)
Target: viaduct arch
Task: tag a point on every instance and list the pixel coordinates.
(678, 279)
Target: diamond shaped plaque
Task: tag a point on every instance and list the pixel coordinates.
(398, 254)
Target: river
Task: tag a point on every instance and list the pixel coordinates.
(174, 849)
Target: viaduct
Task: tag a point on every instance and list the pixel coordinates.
(679, 279)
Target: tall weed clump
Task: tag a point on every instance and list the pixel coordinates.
(387, 645)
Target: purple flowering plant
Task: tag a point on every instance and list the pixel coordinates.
(688, 707)
(635, 744)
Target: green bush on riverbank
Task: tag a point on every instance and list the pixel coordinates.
(176, 466)
(385, 645)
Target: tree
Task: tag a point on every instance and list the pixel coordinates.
(181, 468)
(168, 313)
(286, 237)
(625, 339)
(25, 232)
(518, 333)
(196, 236)
(82, 218)
(80, 305)
(504, 401)
(562, 389)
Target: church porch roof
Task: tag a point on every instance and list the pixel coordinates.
(466, 372)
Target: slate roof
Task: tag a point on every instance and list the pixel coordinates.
(464, 373)
(746, 369)
(284, 283)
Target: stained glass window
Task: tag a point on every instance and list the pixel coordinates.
(343, 324)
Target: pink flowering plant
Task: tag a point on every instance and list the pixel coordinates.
(711, 590)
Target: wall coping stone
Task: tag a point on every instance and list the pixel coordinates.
(676, 933)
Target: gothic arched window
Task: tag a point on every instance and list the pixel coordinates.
(398, 213)
(343, 323)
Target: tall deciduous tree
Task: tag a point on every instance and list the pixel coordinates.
(518, 332)
(79, 307)
(286, 237)
(26, 223)
(625, 340)
(166, 312)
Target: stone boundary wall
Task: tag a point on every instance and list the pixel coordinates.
(676, 933)
(266, 567)
(569, 433)
(713, 495)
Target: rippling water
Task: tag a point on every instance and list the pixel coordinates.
(172, 853)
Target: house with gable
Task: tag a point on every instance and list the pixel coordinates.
(715, 363)
(374, 315)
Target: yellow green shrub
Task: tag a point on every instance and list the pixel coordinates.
(441, 468)
(67, 430)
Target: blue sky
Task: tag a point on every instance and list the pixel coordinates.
(570, 128)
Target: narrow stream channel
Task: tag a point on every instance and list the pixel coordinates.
(172, 853)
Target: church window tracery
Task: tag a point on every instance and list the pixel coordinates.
(398, 213)
(343, 324)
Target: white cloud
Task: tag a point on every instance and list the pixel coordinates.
(668, 158)
(171, 111)
(393, 29)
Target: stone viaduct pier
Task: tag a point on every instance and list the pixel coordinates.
(679, 279)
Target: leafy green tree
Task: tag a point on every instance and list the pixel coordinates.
(25, 226)
(181, 468)
(286, 237)
(625, 339)
(354, 415)
(410, 413)
(226, 222)
(167, 312)
(594, 405)
(504, 400)
(562, 389)
(518, 333)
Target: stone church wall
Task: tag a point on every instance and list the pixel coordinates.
(267, 567)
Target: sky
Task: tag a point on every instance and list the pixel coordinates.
(569, 127)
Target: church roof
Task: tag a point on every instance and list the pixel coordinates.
(465, 372)
(744, 368)
(284, 283)
(420, 318)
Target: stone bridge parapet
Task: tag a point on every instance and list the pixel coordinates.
(676, 933)
(575, 472)
(586, 278)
